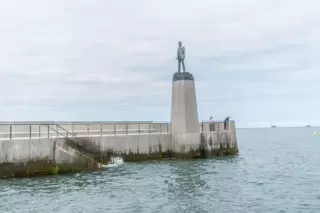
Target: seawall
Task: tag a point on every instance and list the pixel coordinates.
(216, 141)
(38, 149)
(32, 157)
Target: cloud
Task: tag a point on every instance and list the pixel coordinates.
(104, 60)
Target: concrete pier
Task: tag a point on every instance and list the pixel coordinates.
(38, 148)
(217, 141)
(33, 157)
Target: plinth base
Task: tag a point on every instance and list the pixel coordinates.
(184, 113)
(180, 76)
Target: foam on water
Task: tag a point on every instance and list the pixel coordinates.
(114, 162)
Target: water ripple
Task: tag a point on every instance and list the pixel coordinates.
(276, 171)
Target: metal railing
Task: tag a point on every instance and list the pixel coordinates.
(72, 141)
(217, 126)
(43, 130)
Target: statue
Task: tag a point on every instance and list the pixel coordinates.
(181, 54)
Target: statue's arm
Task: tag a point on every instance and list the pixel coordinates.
(184, 52)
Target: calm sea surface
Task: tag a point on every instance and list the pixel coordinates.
(277, 170)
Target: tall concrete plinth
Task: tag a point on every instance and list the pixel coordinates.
(184, 114)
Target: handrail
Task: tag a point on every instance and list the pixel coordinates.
(213, 121)
(74, 122)
(14, 130)
(67, 132)
(78, 148)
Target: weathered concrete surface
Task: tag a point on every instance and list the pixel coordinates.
(184, 115)
(158, 146)
(132, 147)
(220, 141)
(30, 157)
(22, 158)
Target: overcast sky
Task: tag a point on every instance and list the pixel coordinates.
(257, 61)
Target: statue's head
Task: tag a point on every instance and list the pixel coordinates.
(179, 43)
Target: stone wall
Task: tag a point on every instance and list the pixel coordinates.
(133, 147)
(220, 141)
(31, 157)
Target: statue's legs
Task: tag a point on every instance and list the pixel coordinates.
(181, 61)
(184, 68)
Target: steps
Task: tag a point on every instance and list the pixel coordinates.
(73, 142)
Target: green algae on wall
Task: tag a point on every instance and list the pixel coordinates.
(40, 168)
(169, 154)
(56, 170)
(10, 170)
(225, 151)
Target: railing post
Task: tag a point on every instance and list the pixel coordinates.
(101, 130)
(75, 131)
(160, 128)
(202, 127)
(30, 131)
(167, 128)
(48, 132)
(126, 129)
(10, 132)
(39, 132)
(149, 128)
(88, 130)
(115, 129)
(139, 128)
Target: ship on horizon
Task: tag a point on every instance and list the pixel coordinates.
(273, 126)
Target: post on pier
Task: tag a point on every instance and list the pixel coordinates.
(10, 133)
(126, 129)
(30, 131)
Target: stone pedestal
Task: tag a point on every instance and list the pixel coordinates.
(184, 114)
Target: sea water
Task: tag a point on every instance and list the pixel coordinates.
(277, 170)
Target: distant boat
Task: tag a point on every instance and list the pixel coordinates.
(273, 126)
(308, 125)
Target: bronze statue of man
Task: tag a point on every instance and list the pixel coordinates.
(181, 54)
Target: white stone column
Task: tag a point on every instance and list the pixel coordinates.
(184, 113)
